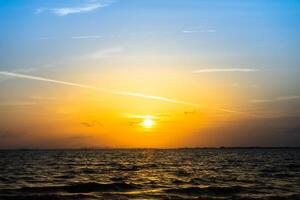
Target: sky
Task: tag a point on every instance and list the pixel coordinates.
(149, 74)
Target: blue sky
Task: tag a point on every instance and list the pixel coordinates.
(246, 49)
(251, 31)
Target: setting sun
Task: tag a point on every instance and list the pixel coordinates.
(148, 123)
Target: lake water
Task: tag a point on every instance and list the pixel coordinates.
(150, 174)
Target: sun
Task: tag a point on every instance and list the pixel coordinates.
(148, 123)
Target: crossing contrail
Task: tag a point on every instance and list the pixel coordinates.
(110, 91)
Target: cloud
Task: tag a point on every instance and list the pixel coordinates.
(20, 70)
(86, 37)
(18, 103)
(216, 70)
(46, 38)
(117, 92)
(64, 11)
(192, 112)
(39, 10)
(74, 10)
(90, 124)
(197, 29)
(138, 119)
(190, 31)
(134, 116)
(276, 99)
(31, 101)
(135, 123)
(237, 85)
(103, 53)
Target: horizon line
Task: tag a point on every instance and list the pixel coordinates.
(151, 148)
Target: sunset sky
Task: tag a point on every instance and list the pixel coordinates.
(151, 73)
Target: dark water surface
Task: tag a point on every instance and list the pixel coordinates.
(150, 174)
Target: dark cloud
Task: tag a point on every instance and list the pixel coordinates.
(135, 123)
(91, 124)
(192, 112)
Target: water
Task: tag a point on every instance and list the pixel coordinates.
(150, 174)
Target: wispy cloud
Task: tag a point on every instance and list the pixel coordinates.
(281, 98)
(19, 70)
(134, 116)
(64, 11)
(190, 31)
(117, 92)
(77, 37)
(140, 95)
(18, 103)
(98, 54)
(102, 53)
(31, 101)
(74, 10)
(192, 112)
(90, 124)
(40, 10)
(46, 38)
(86, 37)
(138, 119)
(198, 29)
(238, 85)
(215, 70)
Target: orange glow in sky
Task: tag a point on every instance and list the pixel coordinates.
(149, 74)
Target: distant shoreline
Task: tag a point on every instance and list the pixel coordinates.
(100, 148)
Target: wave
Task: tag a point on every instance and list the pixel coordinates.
(47, 197)
(75, 188)
(210, 190)
(164, 174)
(293, 166)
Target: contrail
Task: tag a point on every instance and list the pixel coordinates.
(105, 90)
(225, 70)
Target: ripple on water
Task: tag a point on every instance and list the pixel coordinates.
(150, 174)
